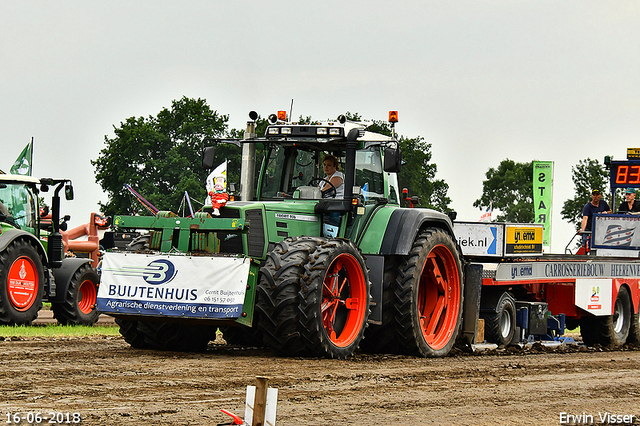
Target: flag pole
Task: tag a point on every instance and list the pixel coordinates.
(31, 158)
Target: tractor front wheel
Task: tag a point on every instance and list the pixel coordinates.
(79, 307)
(166, 336)
(21, 283)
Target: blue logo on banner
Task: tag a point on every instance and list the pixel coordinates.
(159, 272)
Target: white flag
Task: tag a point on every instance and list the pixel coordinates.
(486, 216)
(213, 178)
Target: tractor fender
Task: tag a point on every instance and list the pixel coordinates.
(62, 276)
(12, 234)
(404, 224)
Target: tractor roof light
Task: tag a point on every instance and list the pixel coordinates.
(282, 116)
(393, 116)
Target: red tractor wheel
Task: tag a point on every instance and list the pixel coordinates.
(429, 295)
(21, 283)
(335, 299)
(79, 305)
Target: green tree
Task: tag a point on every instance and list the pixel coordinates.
(587, 175)
(509, 188)
(158, 156)
(417, 173)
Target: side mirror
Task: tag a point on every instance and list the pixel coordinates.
(68, 192)
(208, 156)
(392, 160)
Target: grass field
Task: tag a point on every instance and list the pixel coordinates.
(57, 331)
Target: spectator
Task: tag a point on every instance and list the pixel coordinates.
(595, 206)
(630, 204)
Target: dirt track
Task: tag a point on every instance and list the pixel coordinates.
(109, 383)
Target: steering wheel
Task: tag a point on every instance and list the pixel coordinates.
(329, 193)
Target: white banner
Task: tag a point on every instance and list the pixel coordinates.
(175, 286)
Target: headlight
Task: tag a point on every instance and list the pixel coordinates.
(286, 130)
(274, 130)
(334, 132)
(321, 131)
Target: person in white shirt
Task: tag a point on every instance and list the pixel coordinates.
(330, 168)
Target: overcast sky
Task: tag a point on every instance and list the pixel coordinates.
(481, 81)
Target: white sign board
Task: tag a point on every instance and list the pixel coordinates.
(594, 295)
(480, 239)
(616, 231)
(175, 286)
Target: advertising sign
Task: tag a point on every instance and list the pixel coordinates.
(619, 231)
(594, 296)
(523, 239)
(480, 239)
(176, 286)
(543, 196)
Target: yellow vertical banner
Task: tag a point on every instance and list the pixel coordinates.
(542, 198)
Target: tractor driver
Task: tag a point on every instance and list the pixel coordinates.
(330, 168)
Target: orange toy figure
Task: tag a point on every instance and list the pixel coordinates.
(219, 196)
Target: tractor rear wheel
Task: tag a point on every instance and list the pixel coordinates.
(277, 295)
(499, 315)
(166, 336)
(610, 330)
(21, 283)
(429, 293)
(334, 299)
(79, 307)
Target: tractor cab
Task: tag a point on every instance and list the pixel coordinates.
(292, 170)
(18, 202)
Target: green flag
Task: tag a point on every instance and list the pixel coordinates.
(22, 165)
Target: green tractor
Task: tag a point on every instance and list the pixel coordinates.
(302, 265)
(32, 264)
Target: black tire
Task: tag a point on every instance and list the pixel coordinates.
(334, 299)
(382, 338)
(634, 332)
(129, 330)
(428, 304)
(79, 307)
(499, 315)
(610, 330)
(242, 336)
(166, 336)
(20, 294)
(277, 295)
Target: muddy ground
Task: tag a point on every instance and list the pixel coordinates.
(109, 383)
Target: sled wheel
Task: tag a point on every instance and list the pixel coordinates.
(334, 299)
(277, 308)
(499, 314)
(610, 330)
(634, 332)
(79, 306)
(429, 295)
(21, 278)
